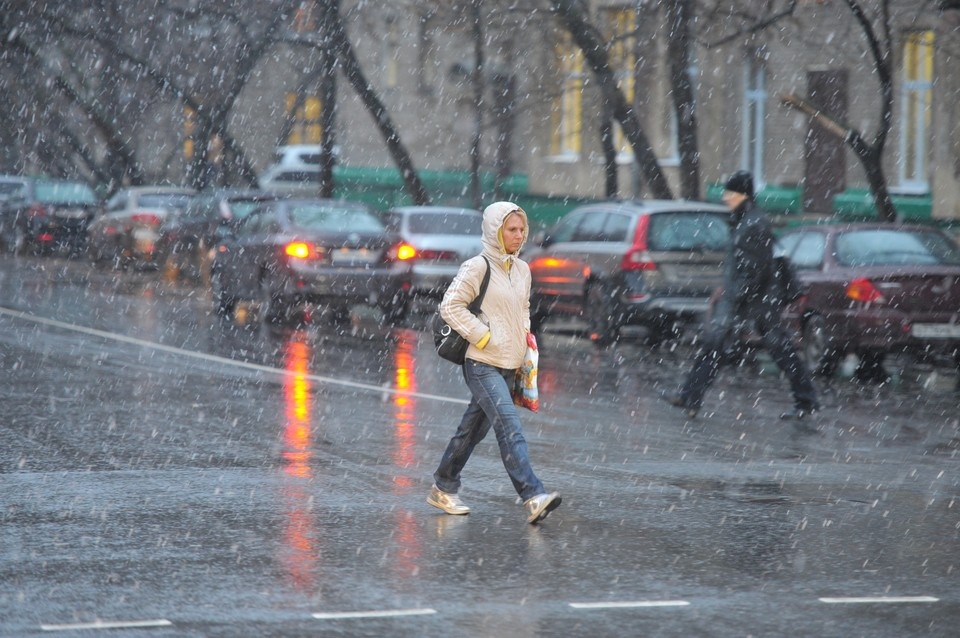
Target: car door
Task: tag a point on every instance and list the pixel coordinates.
(560, 267)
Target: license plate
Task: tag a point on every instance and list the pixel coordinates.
(348, 256)
(935, 330)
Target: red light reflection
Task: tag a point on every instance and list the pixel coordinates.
(299, 553)
(403, 455)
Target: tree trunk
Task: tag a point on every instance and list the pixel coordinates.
(610, 187)
(589, 41)
(476, 81)
(328, 96)
(679, 17)
(356, 78)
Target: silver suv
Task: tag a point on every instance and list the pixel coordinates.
(652, 263)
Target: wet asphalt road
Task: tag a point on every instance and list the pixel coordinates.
(166, 473)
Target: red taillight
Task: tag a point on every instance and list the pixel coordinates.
(302, 250)
(636, 258)
(862, 289)
(401, 252)
(406, 252)
(148, 219)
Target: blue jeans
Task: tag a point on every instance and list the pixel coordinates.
(491, 404)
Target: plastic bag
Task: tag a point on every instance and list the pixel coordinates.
(524, 390)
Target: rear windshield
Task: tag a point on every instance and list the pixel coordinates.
(895, 248)
(445, 224)
(164, 200)
(241, 209)
(333, 219)
(688, 231)
(65, 193)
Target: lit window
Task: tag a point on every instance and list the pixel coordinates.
(568, 106)
(304, 119)
(915, 109)
(622, 25)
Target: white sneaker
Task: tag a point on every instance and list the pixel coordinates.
(539, 506)
(449, 503)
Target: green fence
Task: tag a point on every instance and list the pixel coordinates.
(383, 188)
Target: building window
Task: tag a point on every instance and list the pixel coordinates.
(304, 117)
(189, 128)
(915, 109)
(622, 26)
(426, 57)
(567, 113)
(754, 111)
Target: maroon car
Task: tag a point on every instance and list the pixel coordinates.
(873, 289)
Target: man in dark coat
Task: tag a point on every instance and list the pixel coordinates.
(749, 297)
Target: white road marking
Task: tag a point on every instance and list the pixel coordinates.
(854, 600)
(631, 604)
(101, 624)
(223, 360)
(386, 613)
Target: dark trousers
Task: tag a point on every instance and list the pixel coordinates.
(777, 342)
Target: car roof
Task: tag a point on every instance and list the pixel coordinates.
(853, 226)
(434, 210)
(639, 206)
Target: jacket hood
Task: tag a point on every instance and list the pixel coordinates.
(493, 218)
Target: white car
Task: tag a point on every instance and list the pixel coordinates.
(443, 238)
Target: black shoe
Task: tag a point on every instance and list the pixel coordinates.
(677, 401)
(799, 414)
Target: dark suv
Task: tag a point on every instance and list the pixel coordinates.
(651, 263)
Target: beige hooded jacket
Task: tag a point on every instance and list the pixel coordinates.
(505, 312)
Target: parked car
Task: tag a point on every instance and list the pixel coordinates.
(442, 237)
(874, 289)
(127, 232)
(10, 184)
(43, 215)
(651, 263)
(331, 253)
(295, 170)
(189, 235)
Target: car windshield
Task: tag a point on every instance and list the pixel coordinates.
(241, 209)
(692, 230)
(452, 223)
(65, 193)
(164, 200)
(333, 219)
(895, 248)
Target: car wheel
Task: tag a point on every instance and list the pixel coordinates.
(819, 349)
(396, 309)
(224, 301)
(273, 308)
(601, 315)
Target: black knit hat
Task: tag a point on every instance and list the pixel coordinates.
(740, 182)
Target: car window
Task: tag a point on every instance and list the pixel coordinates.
(241, 208)
(164, 200)
(688, 230)
(807, 250)
(563, 231)
(895, 248)
(254, 223)
(444, 224)
(9, 188)
(616, 227)
(591, 227)
(333, 219)
(64, 193)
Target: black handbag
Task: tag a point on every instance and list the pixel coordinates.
(449, 343)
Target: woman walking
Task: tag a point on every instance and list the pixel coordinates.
(498, 342)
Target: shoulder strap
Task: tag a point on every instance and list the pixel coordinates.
(475, 305)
